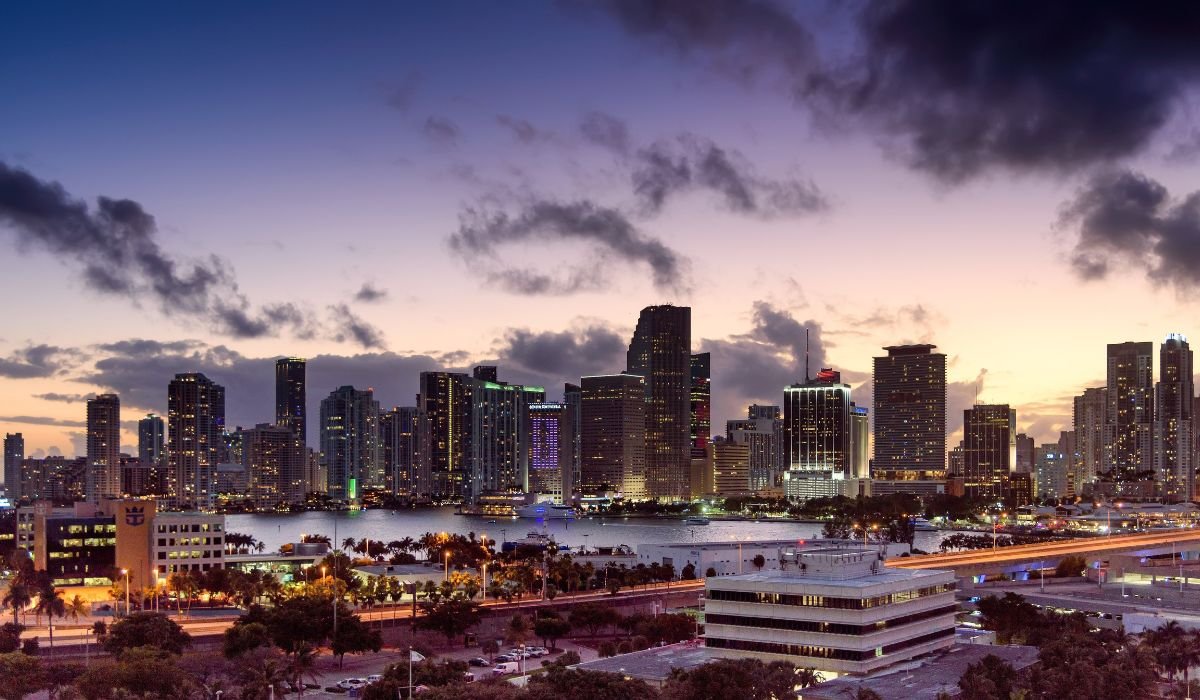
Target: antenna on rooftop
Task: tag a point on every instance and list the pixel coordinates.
(806, 354)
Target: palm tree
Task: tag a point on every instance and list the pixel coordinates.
(17, 597)
(349, 544)
(50, 602)
(806, 677)
(303, 666)
(77, 607)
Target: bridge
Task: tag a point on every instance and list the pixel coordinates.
(1019, 558)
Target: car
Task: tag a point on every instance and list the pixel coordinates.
(468, 677)
(374, 678)
(351, 683)
(504, 658)
(506, 668)
(479, 661)
(519, 653)
(538, 651)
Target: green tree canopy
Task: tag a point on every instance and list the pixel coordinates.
(146, 629)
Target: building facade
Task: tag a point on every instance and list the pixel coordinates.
(350, 443)
(400, 448)
(660, 352)
(989, 451)
(1089, 417)
(549, 454)
(1129, 424)
(762, 432)
(274, 461)
(14, 454)
(103, 447)
(444, 412)
(731, 468)
(499, 433)
(613, 438)
(195, 437)
(910, 413)
(152, 440)
(291, 394)
(1173, 420)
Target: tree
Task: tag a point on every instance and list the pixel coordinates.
(450, 616)
(10, 637)
(240, 639)
(77, 607)
(518, 630)
(550, 628)
(606, 649)
(146, 629)
(688, 572)
(668, 628)
(59, 676)
(18, 597)
(732, 678)
(23, 675)
(593, 617)
(1070, 566)
(990, 679)
(303, 666)
(759, 561)
(145, 672)
(560, 682)
(710, 572)
(262, 674)
(50, 603)
(490, 647)
(353, 636)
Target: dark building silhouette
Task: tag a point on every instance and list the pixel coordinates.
(614, 434)
(660, 352)
(399, 443)
(989, 451)
(14, 454)
(910, 413)
(444, 412)
(350, 443)
(571, 436)
(290, 396)
(104, 447)
(701, 404)
(195, 437)
(1173, 428)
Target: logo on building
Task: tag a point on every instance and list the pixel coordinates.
(135, 515)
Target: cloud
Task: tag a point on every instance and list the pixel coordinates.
(116, 246)
(522, 130)
(590, 349)
(959, 397)
(441, 130)
(606, 131)
(351, 327)
(64, 398)
(36, 361)
(609, 234)
(369, 293)
(690, 162)
(1126, 219)
(44, 420)
(401, 97)
(957, 89)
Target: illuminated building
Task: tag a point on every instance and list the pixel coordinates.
(701, 403)
(14, 454)
(103, 447)
(350, 443)
(1089, 417)
(399, 444)
(731, 468)
(290, 396)
(152, 435)
(860, 443)
(1173, 429)
(613, 438)
(444, 414)
(1050, 477)
(660, 352)
(499, 441)
(818, 436)
(1129, 422)
(762, 433)
(910, 413)
(195, 436)
(274, 462)
(989, 451)
(571, 437)
(549, 454)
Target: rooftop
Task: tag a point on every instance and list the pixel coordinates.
(654, 665)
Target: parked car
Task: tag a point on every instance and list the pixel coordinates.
(503, 658)
(537, 651)
(519, 654)
(479, 661)
(506, 668)
(469, 677)
(351, 683)
(374, 678)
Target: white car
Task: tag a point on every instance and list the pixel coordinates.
(537, 651)
(503, 669)
(351, 683)
(374, 678)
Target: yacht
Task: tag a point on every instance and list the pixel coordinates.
(923, 525)
(546, 510)
(696, 520)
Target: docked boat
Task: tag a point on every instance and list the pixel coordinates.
(696, 520)
(546, 510)
(923, 525)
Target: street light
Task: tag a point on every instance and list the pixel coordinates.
(125, 572)
(446, 577)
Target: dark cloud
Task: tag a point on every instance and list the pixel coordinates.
(369, 293)
(36, 361)
(606, 131)
(522, 130)
(610, 235)
(591, 349)
(351, 327)
(1127, 220)
(959, 88)
(401, 97)
(691, 162)
(64, 398)
(44, 420)
(959, 397)
(441, 130)
(117, 248)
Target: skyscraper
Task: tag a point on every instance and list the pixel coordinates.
(860, 443)
(275, 464)
(350, 443)
(910, 413)
(549, 454)
(762, 434)
(14, 454)
(989, 450)
(152, 440)
(1026, 453)
(103, 447)
(290, 396)
(571, 436)
(731, 468)
(1173, 437)
(1089, 418)
(398, 440)
(195, 437)
(660, 352)
(1050, 472)
(701, 403)
(444, 410)
(614, 434)
(499, 437)
(816, 424)
(1129, 424)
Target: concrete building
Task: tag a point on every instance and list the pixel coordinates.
(572, 434)
(499, 433)
(350, 443)
(661, 353)
(274, 460)
(14, 454)
(444, 414)
(734, 558)
(910, 413)
(1089, 416)
(75, 546)
(731, 468)
(989, 451)
(54, 478)
(291, 409)
(103, 447)
(152, 441)
(550, 455)
(762, 433)
(1129, 422)
(1050, 472)
(819, 422)
(186, 542)
(195, 437)
(613, 436)
(399, 443)
(837, 610)
(1173, 420)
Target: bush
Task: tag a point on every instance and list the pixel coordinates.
(607, 649)
(625, 647)
(640, 643)
(1070, 566)
(710, 572)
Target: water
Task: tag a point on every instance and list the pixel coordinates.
(274, 530)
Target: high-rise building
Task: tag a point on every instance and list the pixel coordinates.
(661, 353)
(613, 435)
(1050, 476)
(290, 396)
(14, 454)
(731, 467)
(152, 439)
(444, 411)
(816, 424)
(103, 447)
(195, 435)
(1089, 418)
(1129, 424)
(1026, 452)
(499, 438)
(1067, 446)
(989, 450)
(350, 443)
(571, 436)
(762, 433)
(398, 440)
(549, 454)
(1173, 397)
(910, 413)
(860, 443)
(701, 403)
(274, 461)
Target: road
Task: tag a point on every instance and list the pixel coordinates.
(1033, 552)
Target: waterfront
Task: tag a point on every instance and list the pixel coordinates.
(276, 529)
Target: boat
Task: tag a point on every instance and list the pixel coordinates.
(923, 525)
(696, 520)
(546, 510)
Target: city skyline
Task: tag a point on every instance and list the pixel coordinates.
(417, 163)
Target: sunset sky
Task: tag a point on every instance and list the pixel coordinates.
(390, 187)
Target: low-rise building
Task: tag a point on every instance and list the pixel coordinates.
(734, 558)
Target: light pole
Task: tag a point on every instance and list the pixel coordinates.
(446, 576)
(524, 678)
(126, 573)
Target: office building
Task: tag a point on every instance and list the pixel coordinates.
(1173, 435)
(660, 352)
(75, 546)
(910, 413)
(613, 435)
(1050, 473)
(195, 437)
(549, 455)
(571, 437)
(399, 447)
(731, 468)
(701, 403)
(499, 438)
(762, 433)
(860, 443)
(444, 413)
(989, 451)
(103, 447)
(185, 542)
(1129, 424)
(273, 460)
(350, 443)
(14, 454)
(1026, 449)
(54, 478)
(837, 610)
(290, 396)
(816, 425)
(152, 440)
(1089, 417)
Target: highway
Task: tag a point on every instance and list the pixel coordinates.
(1034, 552)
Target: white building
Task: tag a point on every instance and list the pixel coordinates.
(187, 542)
(837, 610)
(731, 558)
